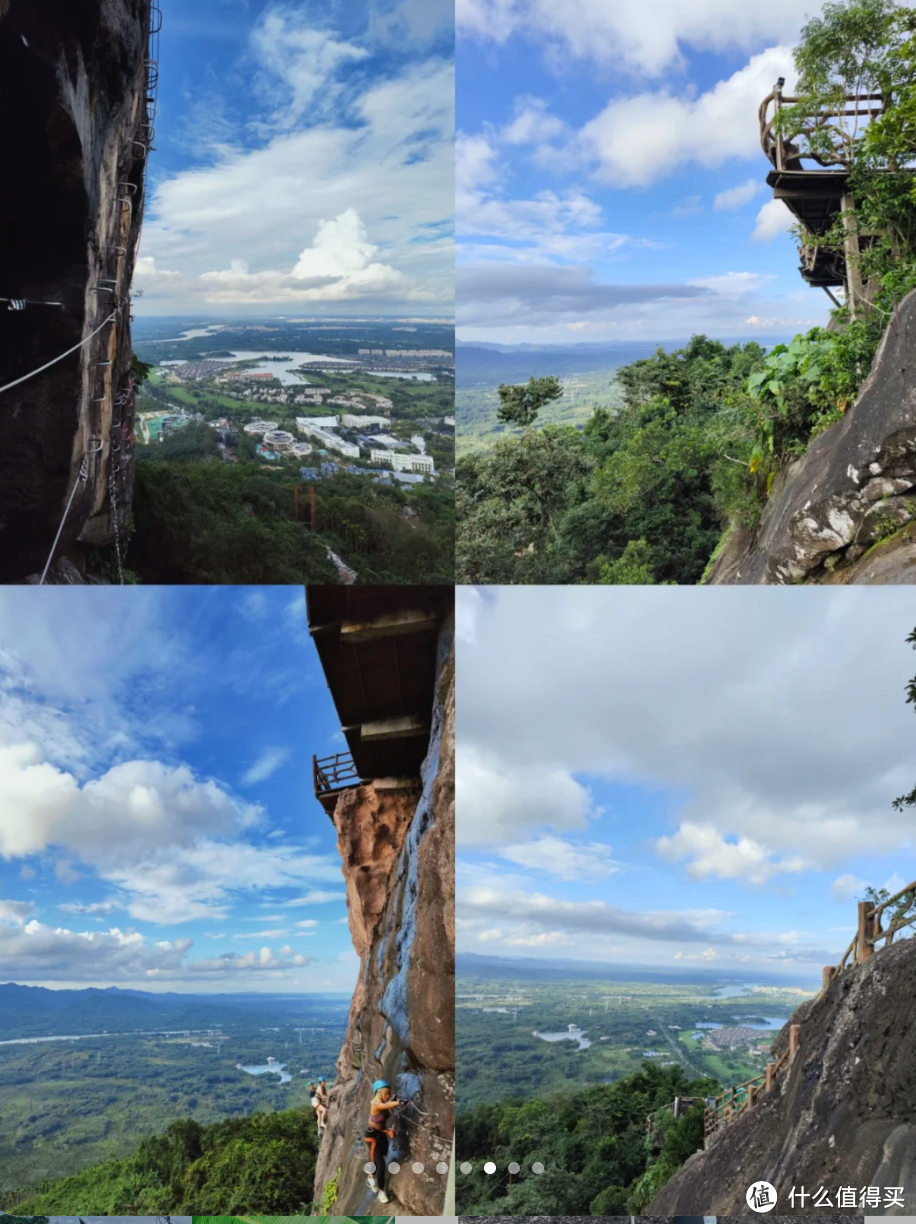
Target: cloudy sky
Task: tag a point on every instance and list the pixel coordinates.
(304, 157)
(676, 777)
(610, 176)
(157, 822)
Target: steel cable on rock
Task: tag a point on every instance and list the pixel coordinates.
(48, 364)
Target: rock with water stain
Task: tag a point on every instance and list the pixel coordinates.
(397, 848)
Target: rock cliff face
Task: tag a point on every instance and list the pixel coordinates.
(844, 1114)
(840, 513)
(397, 848)
(74, 81)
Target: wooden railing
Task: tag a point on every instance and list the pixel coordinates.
(723, 1109)
(870, 932)
(827, 138)
(333, 772)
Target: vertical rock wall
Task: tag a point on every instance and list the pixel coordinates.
(73, 87)
(397, 848)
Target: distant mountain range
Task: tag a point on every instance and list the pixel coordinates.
(468, 963)
(35, 1011)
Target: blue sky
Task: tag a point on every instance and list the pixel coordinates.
(157, 823)
(304, 158)
(657, 777)
(610, 179)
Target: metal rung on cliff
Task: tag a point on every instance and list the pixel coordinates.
(332, 775)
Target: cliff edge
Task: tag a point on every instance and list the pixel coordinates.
(844, 1113)
(397, 848)
(78, 88)
(840, 513)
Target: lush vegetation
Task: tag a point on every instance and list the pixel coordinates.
(599, 1156)
(72, 1104)
(220, 523)
(645, 491)
(262, 1163)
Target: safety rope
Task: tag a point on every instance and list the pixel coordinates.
(21, 303)
(83, 476)
(54, 361)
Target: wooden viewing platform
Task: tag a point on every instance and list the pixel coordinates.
(816, 196)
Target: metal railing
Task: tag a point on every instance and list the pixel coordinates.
(334, 772)
(826, 137)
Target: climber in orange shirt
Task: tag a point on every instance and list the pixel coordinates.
(377, 1135)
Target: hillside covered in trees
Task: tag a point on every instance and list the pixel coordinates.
(646, 492)
(600, 1155)
(262, 1163)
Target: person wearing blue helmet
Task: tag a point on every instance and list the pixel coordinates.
(377, 1135)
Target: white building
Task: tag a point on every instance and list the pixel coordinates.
(421, 464)
(300, 449)
(324, 437)
(307, 423)
(363, 422)
(278, 438)
(448, 421)
(258, 427)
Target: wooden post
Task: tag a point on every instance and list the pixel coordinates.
(793, 1041)
(769, 1077)
(863, 944)
(751, 1093)
(855, 294)
(312, 505)
(827, 978)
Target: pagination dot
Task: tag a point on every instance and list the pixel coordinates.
(394, 1167)
(537, 1167)
(515, 1168)
(441, 1167)
(417, 1167)
(489, 1167)
(368, 1167)
(466, 1166)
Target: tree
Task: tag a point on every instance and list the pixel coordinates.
(909, 800)
(520, 405)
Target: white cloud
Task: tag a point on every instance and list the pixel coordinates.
(266, 765)
(15, 912)
(737, 197)
(281, 934)
(152, 830)
(499, 802)
(95, 907)
(316, 896)
(734, 284)
(772, 220)
(564, 859)
(712, 855)
(736, 817)
(302, 62)
(644, 35)
(251, 962)
(639, 139)
(847, 886)
(374, 181)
